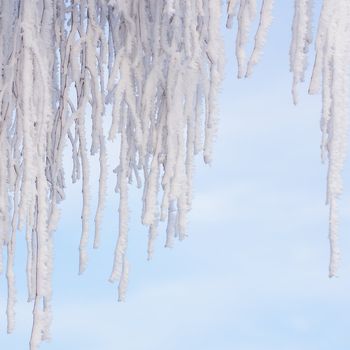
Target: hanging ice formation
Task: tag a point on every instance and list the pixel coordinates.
(158, 65)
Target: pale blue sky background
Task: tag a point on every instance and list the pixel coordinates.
(253, 273)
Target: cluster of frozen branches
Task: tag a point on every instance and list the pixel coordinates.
(150, 70)
(330, 75)
(157, 64)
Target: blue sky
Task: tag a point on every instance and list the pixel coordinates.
(253, 273)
